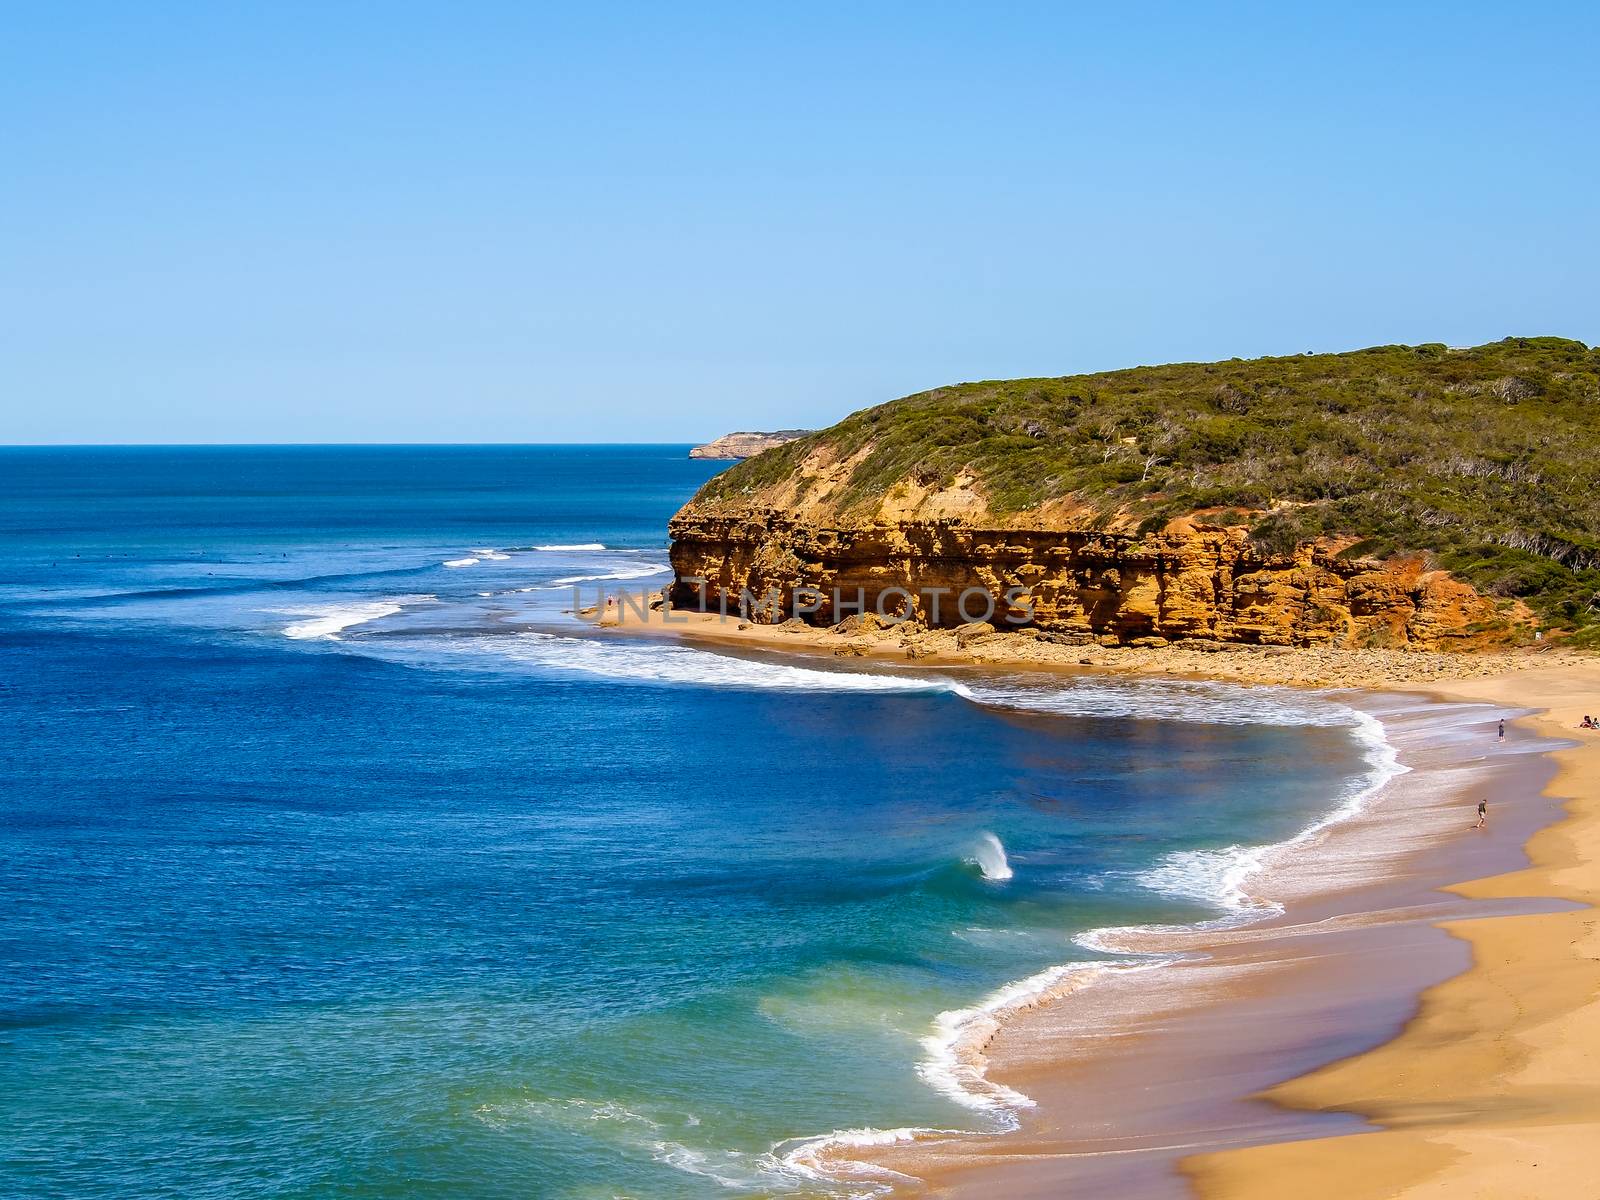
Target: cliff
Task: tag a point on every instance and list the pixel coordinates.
(746, 445)
(1189, 581)
(1412, 497)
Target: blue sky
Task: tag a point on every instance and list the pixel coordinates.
(513, 222)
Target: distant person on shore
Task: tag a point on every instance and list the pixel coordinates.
(1483, 814)
(1502, 729)
(1588, 723)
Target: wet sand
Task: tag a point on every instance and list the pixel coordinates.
(1490, 1089)
(1211, 1075)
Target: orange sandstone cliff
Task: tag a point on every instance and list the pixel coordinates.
(1189, 581)
(792, 545)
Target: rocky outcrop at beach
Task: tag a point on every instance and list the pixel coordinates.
(1191, 581)
(746, 445)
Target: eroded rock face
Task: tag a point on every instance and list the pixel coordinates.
(1187, 582)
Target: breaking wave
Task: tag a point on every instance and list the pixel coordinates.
(1221, 876)
(990, 858)
(1161, 700)
(639, 572)
(327, 622)
(676, 664)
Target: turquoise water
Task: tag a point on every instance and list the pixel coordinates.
(332, 870)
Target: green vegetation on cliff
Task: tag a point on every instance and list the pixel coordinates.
(1487, 458)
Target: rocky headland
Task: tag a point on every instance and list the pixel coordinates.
(1404, 498)
(746, 445)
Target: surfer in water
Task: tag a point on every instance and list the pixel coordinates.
(1483, 814)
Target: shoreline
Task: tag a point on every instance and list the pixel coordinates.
(1488, 1089)
(1315, 667)
(1399, 930)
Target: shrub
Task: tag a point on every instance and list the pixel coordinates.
(1488, 457)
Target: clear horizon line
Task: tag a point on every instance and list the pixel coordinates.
(312, 445)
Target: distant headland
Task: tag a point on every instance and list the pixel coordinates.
(746, 445)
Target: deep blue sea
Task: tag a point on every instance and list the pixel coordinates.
(338, 860)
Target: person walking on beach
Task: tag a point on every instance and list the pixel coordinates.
(1502, 729)
(1483, 814)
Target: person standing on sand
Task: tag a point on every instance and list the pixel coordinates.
(1483, 814)
(1502, 729)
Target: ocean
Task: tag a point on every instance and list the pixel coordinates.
(341, 860)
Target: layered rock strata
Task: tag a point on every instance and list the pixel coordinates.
(1189, 581)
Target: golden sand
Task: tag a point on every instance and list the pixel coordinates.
(1493, 1089)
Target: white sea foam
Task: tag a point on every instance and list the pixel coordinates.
(656, 663)
(826, 1158)
(575, 546)
(328, 621)
(955, 1059)
(492, 555)
(956, 1062)
(1160, 700)
(639, 572)
(990, 858)
(1221, 876)
(658, 1136)
(459, 562)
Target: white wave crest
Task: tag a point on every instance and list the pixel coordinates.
(826, 1158)
(956, 1061)
(492, 555)
(639, 572)
(575, 546)
(657, 663)
(459, 562)
(658, 1136)
(1221, 876)
(990, 858)
(957, 1064)
(1195, 702)
(328, 621)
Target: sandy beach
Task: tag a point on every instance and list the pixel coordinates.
(1419, 1019)
(1489, 1090)
(985, 646)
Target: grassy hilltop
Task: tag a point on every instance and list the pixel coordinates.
(1487, 458)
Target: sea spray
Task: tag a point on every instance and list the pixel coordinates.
(990, 858)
